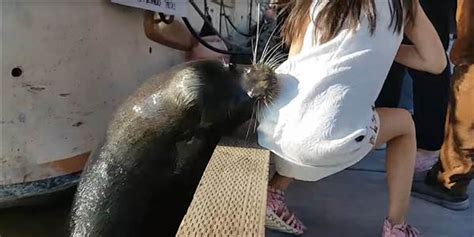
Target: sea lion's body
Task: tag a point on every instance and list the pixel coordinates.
(142, 179)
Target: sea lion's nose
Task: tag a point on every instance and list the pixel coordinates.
(251, 93)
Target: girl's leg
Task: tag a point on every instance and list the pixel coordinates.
(398, 131)
(278, 216)
(280, 182)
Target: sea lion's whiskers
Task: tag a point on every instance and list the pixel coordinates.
(274, 48)
(259, 110)
(251, 117)
(274, 65)
(250, 122)
(270, 97)
(255, 125)
(253, 48)
(266, 104)
(280, 56)
(265, 49)
(272, 51)
(258, 34)
(267, 107)
(276, 28)
(276, 60)
(258, 118)
(259, 114)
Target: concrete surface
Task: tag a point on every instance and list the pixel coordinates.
(353, 203)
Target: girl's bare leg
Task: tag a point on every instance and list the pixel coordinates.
(278, 216)
(280, 182)
(398, 131)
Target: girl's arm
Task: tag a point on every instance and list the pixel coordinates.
(427, 52)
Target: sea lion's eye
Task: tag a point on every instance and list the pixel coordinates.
(231, 66)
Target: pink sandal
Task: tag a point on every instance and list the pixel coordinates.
(401, 230)
(278, 216)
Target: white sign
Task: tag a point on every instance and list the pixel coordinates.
(169, 7)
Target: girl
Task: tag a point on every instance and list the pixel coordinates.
(323, 120)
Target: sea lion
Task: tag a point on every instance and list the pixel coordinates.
(142, 179)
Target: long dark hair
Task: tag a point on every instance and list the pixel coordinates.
(336, 14)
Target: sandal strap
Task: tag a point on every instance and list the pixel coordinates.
(408, 230)
(411, 231)
(276, 191)
(276, 204)
(289, 217)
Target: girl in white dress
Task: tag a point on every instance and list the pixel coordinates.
(323, 120)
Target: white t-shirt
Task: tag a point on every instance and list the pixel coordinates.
(323, 119)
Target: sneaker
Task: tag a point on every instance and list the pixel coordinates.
(278, 217)
(438, 194)
(401, 230)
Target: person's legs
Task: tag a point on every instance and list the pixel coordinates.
(398, 131)
(430, 92)
(430, 102)
(278, 216)
(280, 182)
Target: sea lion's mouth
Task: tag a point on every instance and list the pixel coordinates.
(251, 93)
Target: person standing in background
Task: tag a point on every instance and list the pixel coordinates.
(430, 92)
(447, 181)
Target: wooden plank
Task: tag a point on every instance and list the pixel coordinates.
(231, 197)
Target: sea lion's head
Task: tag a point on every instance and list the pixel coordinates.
(260, 82)
(226, 94)
(257, 87)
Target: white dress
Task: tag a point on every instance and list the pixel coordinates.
(323, 120)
